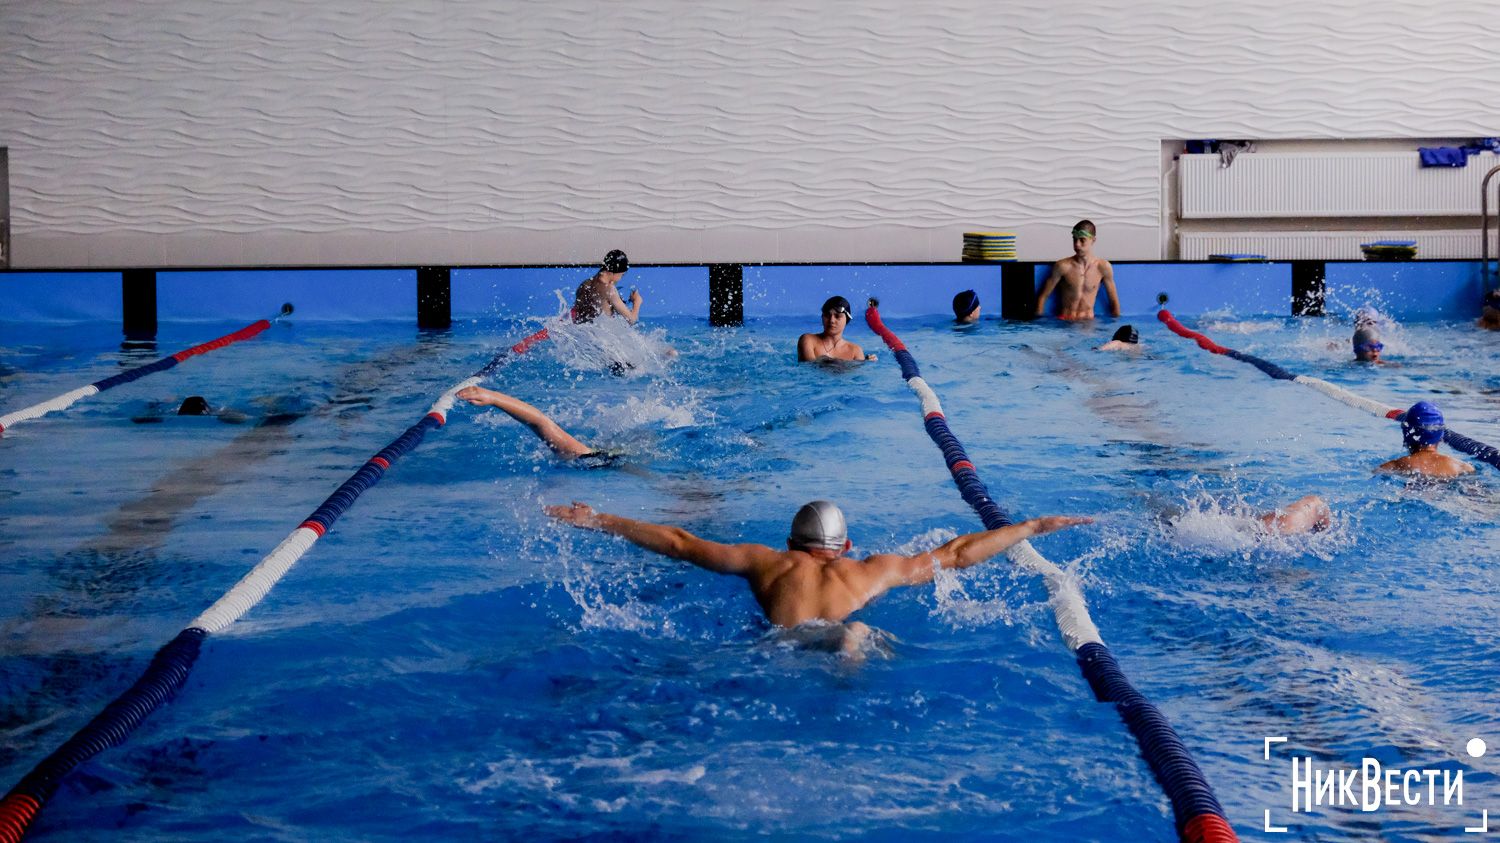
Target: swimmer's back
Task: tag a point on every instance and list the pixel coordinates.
(588, 301)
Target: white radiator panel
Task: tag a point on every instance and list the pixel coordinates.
(1323, 245)
(1389, 184)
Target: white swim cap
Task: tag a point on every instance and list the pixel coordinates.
(819, 524)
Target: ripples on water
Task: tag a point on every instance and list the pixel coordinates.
(448, 663)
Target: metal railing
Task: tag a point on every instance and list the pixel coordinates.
(1484, 231)
(4, 208)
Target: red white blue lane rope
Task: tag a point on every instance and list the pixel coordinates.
(1484, 453)
(67, 399)
(169, 668)
(1199, 817)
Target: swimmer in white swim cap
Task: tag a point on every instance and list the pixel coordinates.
(812, 580)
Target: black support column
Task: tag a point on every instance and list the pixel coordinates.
(1308, 287)
(726, 294)
(138, 304)
(434, 298)
(1018, 291)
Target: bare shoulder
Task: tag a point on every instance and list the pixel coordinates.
(1106, 266)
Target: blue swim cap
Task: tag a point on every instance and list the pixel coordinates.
(1421, 426)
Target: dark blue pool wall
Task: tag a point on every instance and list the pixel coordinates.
(1405, 290)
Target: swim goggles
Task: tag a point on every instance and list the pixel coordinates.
(1369, 346)
(1080, 233)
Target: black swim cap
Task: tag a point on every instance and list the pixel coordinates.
(838, 304)
(193, 405)
(615, 261)
(964, 303)
(1126, 334)
(1492, 299)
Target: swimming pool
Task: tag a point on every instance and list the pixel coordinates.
(445, 663)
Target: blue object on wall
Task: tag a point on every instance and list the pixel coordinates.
(319, 294)
(903, 290)
(60, 297)
(1419, 290)
(1240, 288)
(523, 292)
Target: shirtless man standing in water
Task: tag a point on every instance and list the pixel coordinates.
(1077, 279)
(830, 344)
(812, 580)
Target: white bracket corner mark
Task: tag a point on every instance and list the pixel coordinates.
(1272, 829)
(1484, 819)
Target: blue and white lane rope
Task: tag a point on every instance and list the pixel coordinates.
(68, 399)
(169, 668)
(1199, 817)
(1487, 454)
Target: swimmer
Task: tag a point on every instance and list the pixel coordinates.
(1367, 344)
(560, 441)
(1489, 315)
(1309, 514)
(193, 405)
(830, 344)
(1077, 279)
(966, 307)
(599, 294)
(812, 580)
(1125, 339)
(1422, 431)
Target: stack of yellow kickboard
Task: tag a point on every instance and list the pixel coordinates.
(989, 246)
(1389, 250)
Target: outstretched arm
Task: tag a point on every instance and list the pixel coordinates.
(1047, 287)
(737, 559)
(1107, 278)
(963, 551)
(544, 427)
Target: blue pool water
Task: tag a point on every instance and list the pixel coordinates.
(446, 664)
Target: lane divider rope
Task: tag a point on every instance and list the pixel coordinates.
(1487, 454)
(1199, 816)
(169, 668)
(67, 399)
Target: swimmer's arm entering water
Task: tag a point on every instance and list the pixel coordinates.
(889, 570)
(544, 427)
(738, 559)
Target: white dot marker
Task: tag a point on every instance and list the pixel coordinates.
(1476, 747)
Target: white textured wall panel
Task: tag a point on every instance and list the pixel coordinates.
(193, 131)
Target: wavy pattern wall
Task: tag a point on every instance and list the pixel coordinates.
(191, 132)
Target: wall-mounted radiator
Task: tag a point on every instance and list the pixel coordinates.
(1322, 245)
(1282, 185)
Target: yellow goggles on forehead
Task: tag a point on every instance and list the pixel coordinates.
(1078, 232)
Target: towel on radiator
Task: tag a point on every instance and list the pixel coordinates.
(1443, 156)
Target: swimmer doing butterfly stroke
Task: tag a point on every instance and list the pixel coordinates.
(812, 580)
